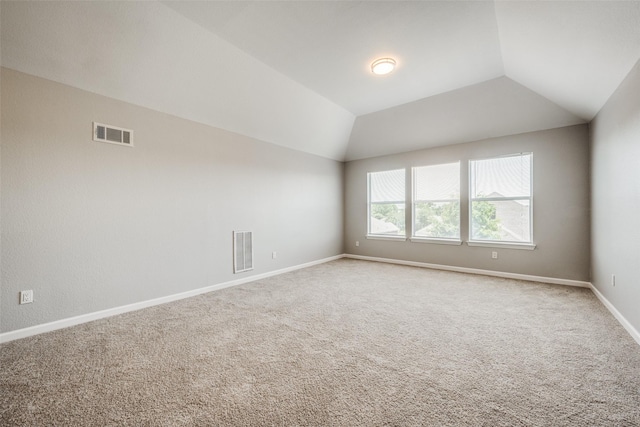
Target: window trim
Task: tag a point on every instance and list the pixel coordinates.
(503, 245)
(398, 238)
(437, 241)
(509, 244)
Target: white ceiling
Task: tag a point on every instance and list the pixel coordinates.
(297, 73)
(494, 108)
(329, 46)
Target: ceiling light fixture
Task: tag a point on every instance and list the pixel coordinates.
(383, 66)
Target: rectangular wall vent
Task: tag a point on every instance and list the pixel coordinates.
(112, 134)
(242, 251)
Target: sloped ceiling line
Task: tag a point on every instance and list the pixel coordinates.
(467, 70)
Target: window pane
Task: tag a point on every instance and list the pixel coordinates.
(501, 177)
(387, 203)
(437, 219)
(437, 182)
(436, 209)
(506, 220)
(387, 219)
(387, 186)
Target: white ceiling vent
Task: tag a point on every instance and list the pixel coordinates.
(242, 251)
(112, 134)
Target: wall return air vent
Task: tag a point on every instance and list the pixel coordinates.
(242, 251)
(112, 134)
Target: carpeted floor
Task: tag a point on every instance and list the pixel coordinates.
(346, 343)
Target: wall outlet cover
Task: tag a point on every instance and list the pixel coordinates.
(26, 297)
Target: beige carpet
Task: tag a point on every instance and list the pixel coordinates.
(347, 343)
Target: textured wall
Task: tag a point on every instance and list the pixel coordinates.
(91, 226)
(560, 200)
(615, 182)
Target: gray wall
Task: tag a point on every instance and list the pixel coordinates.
(560, 199)
(91, 226)
(615, 184)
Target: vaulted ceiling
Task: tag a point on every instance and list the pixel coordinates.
(297, 74)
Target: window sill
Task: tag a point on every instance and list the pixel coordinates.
(436, 241)
(381, 237)
(505, 245)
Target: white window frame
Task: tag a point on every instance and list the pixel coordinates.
(414, 200)
(400, 202)
(530, 245)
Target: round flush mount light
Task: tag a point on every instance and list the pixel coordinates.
(383, 66)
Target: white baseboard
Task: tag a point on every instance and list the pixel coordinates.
(84, 318)
(517, 276)
(72, 321)
(619, 317)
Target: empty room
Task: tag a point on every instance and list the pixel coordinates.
(320, 213)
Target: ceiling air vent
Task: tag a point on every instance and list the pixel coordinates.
(242, 251)
(112, 134)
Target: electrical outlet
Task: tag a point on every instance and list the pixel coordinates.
(357, 243)
(494, 255)
(274, 254)
(613, 280)
(26, 297)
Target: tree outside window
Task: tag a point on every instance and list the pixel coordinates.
(501, 199)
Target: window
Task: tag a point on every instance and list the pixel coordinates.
(387, 203)
(436, 201)
(500, 199)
